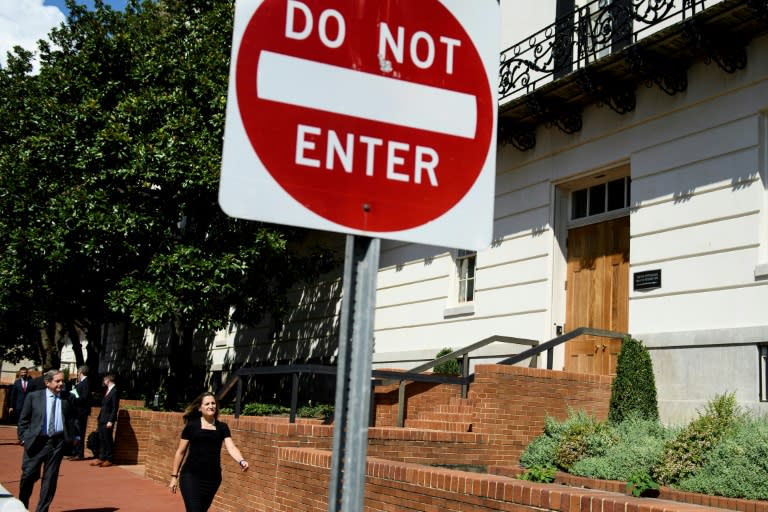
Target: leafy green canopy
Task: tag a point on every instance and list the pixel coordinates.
(109, 167)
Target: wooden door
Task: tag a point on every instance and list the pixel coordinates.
(597, 294)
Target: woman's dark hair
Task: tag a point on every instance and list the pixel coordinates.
(193, 410)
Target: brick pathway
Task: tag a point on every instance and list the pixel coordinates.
(85, 488)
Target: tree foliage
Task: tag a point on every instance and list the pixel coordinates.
(109, 161)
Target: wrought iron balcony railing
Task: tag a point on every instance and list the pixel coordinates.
(591, 31)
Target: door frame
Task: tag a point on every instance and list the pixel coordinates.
(561, 224)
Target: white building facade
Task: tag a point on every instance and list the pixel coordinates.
(631, 195)
(651, 218)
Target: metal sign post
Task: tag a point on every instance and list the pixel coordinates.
(353, 378)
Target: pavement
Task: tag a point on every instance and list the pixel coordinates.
(85, 488)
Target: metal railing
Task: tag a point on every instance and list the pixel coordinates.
(588, 33)
(389, 377)
(462, 353)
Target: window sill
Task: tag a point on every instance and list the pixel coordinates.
(457, 311)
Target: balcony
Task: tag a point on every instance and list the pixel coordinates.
(602, 51)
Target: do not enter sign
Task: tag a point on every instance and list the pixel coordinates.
(373, 117)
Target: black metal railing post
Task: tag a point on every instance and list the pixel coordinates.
(294, 396)
(465, 374)
(239, 398)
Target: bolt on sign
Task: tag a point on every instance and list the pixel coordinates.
(367, 117)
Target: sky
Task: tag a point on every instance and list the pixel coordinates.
(24, 22)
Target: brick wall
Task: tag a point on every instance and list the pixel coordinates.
(420, 396)
(391, 486)
(510, 406)
(289, 463)
(513, 402)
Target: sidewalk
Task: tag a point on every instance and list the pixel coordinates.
(84, 488)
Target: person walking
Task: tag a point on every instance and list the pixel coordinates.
(45, 426)
(107, 421)
(200, 453)
(19, 393)
(81, 400)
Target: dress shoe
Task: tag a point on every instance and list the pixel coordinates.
(96, 462)
(75, 457)
(105, 464)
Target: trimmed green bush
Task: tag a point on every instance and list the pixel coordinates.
(633, 392)
(684, 455)
(450, 367)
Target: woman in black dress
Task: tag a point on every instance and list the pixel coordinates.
(200, 453)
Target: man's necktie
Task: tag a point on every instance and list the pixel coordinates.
(52, 418)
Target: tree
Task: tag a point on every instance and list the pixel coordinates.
(116, 161)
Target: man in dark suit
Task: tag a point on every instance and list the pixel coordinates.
(80, 396)
(18, 393)
(45, 425)
(107, 420)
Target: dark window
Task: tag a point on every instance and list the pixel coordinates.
(597, 199)
(616, 195)
(579, 204)
(602, 198)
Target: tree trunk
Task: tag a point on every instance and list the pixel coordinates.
(77, 347)
(50, 349)
(179, 362)
(94, 335)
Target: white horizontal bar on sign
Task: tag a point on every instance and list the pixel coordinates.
(310, 84)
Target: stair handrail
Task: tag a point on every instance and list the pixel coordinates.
(462, 353)
(295, 370)
(388, 377)
(551, 344)
(531, 353)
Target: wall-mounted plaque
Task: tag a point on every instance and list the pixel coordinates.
(647, 280)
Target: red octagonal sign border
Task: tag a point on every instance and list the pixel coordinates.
(377, 116)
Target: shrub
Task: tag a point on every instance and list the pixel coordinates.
(633, 392)
(638, 448)
(565, 443)
(738, 466)
(539, 473)
(541, 451)
(640, 482)
(315, 411)
(585, 437)
(259, 409)
(684, 455)
(450, 367)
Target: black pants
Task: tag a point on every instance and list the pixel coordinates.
(197, 490)
(78, 449)
(45, 452)
(106, 442)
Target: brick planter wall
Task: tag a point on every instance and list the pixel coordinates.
(290, 463)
